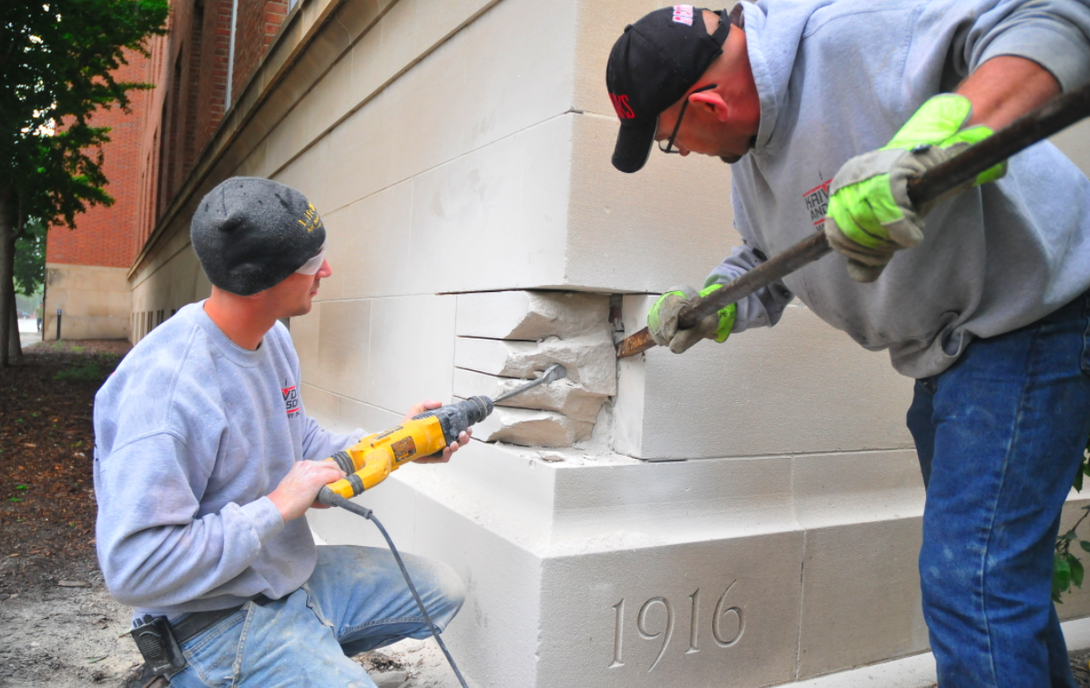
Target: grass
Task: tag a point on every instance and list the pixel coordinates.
(88, 372)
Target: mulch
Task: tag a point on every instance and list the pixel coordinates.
(47, 512)
(1080, 666)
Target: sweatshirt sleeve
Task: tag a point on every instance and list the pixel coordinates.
(155, 548)
(319, 443)
(761, 309)
(1053, 33)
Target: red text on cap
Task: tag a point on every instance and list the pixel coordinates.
(683, 14)
(620, 104)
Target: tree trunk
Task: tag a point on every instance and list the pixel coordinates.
(15, 348)
(7, 272)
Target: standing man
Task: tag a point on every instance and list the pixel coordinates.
(988, 311)
(38, 311)
(206, 462)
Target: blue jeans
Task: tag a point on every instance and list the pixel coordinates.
(1000, 437)
(356, 600)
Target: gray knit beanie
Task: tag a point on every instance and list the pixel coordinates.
(251, 234)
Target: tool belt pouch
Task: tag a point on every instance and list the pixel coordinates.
(157, 645)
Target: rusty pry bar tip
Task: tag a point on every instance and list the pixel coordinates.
(553, 372)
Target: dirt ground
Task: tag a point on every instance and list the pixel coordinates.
(60, 628)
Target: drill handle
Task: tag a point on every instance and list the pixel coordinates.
(374, 467)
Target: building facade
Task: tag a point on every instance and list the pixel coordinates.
(213, 49)
(643, 524)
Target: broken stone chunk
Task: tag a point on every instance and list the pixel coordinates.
(590, 359)
(562, 396)
(529, 315)
(531, 428)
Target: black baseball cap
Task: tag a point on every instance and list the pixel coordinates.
(652, 65)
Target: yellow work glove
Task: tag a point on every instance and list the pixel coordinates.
(662, 320)
(870, 215)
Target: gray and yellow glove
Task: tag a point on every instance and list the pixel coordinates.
(870, 215)
(662, 320)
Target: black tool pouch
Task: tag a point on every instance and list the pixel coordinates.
(157, 645)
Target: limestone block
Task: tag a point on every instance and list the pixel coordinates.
(352, 414)
(562, 396)
(411, 352)
(287, 139)
(343, 361)
(328, 100)
(1073, 141)
(591, 360)
(500, 57)
(879, 484)
(530, 315)
(861, 601)
(375, 227)
(531, 428)
(494, 218)
(352, 171)
(737, 398)
(628, 231)
(304, 336)
(719, 613)
(359, 17)
(319, 404)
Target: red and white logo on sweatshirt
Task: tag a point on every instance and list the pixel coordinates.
(817, 202)
(291, 399)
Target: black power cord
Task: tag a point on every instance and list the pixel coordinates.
(334, 499)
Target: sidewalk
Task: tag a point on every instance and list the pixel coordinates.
(28, 332)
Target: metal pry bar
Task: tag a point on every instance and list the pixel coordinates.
(553, 372)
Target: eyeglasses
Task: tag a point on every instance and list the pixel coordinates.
(312, 266)
(684, 104)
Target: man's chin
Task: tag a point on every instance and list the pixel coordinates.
(730, 159)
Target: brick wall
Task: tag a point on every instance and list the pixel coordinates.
(154, 148)
(258, 22)
(212, 90)
(103, 235)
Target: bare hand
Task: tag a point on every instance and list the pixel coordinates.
(298, 489)
(463, 438)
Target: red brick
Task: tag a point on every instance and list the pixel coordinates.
(153, 150)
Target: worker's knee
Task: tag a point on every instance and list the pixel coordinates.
(440, 587)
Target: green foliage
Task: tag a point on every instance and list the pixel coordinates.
(30, 258)
(88, 372)
(1067, 570)
(57, 64)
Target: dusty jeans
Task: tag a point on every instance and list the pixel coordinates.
(356, 600)
(1000, 436)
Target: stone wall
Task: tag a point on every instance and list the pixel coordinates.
(95, 302)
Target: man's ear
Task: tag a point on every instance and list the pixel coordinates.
(712, 103)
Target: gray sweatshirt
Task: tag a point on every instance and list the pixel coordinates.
(191, 433)
(839, 78)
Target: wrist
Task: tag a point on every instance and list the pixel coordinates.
(280, 504)
(939, 118)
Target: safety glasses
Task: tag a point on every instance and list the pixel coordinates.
(684, 104)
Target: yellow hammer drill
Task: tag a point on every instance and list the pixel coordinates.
(372, 459)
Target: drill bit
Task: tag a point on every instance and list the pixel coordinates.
(553, 372)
